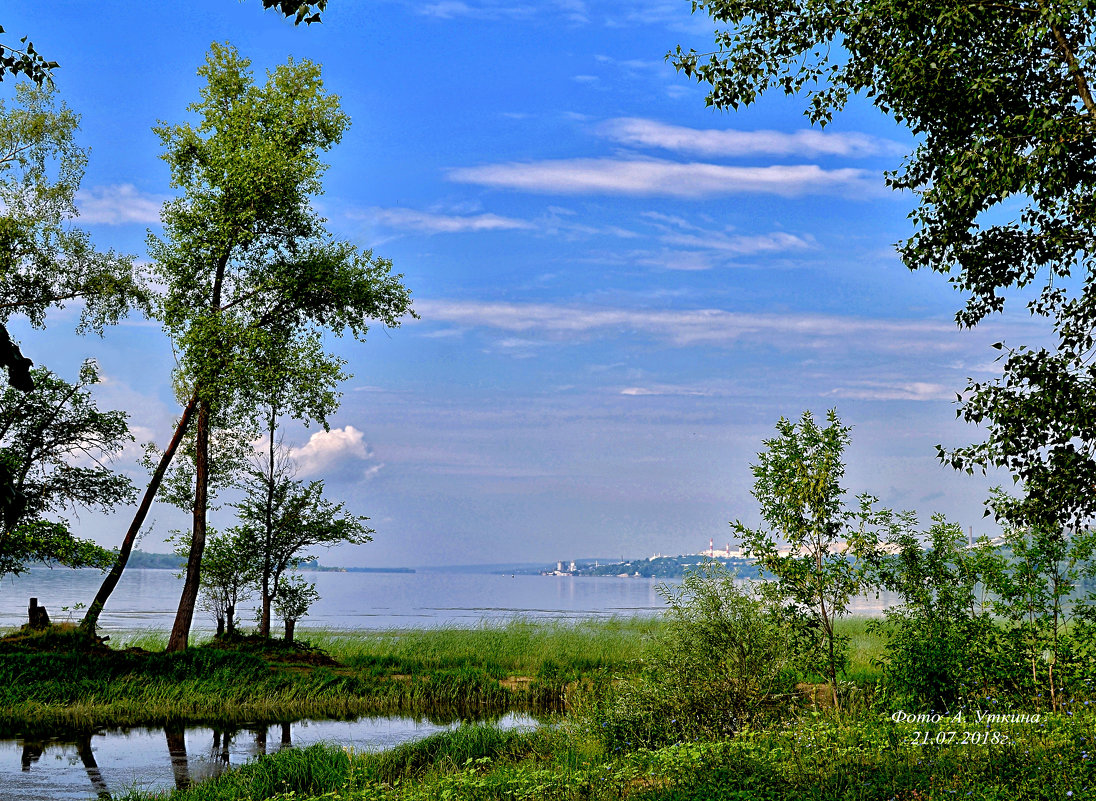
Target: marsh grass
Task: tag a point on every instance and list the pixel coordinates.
(829, 758)
(520, 647)
(453, 672)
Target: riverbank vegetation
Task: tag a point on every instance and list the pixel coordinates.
(56, 678)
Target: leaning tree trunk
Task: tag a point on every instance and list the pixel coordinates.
(268, 529)
(185, 616)
(91, 617)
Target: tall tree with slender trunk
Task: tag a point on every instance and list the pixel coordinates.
(251, 277)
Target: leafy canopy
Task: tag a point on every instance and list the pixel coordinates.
(1000, 98)
(829, 547)
(251, 276)
(55, 445)
(45, 261)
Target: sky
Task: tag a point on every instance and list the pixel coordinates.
(620, 289)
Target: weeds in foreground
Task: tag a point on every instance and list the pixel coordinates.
(829, 758)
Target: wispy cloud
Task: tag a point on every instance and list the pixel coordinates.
(667, 179)
(638, 132)
(431, 223)
(895, 390)
(118, 204)
(683, 328)
(572, 10)
(663, 390)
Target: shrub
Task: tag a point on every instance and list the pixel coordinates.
(725, 652)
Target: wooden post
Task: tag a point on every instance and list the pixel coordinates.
(37, 615)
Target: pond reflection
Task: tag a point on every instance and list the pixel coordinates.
(96, 763)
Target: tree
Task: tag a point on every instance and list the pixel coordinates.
(228, 577)
(943, 642)
(45, 262)
(54, 442)
(1000, 96)
(798, 485)
(282, 517)
(295, 596)
(248, 270)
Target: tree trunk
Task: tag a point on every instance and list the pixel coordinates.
(91, 617)
(289, 624)
(183, 618)
(220, 626)
(268, 526)
(264, 624)
(232, 618)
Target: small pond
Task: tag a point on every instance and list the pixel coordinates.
(99, 762)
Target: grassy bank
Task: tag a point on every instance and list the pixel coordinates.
(51, 680)
(829, 758)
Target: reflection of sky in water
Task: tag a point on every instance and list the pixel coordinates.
(154, 759)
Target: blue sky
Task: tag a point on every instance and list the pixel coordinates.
(621, 290)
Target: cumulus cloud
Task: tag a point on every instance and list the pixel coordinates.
(654, 177)
(639, 132)
(430, 223)
(687, 327)
(118, 204)
(340, 451)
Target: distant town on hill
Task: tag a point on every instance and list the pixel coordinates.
(657, 566)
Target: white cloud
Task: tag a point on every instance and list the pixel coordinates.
(639, 132)
(340, 451)
(664, 389)
(775, 242)
(118, 204)
(430, 223)
(895, 390)
(683, 328)
(667, 179)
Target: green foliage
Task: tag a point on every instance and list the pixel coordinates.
(228, 577)
(57, 440)
(294, 597)
(54, 443)
(44, 260)
(725, 650)
(829, 760)
(50, 543)
(798, 486)
(252, 279)
(281, 517)
(943, 644)
(1000, 98)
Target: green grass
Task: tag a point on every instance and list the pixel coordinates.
(866, 648)
(830, 758)
(518, 648)
(52, 679)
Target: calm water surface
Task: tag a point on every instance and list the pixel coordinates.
(86, 764)
(148, 598)
(97, 763)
